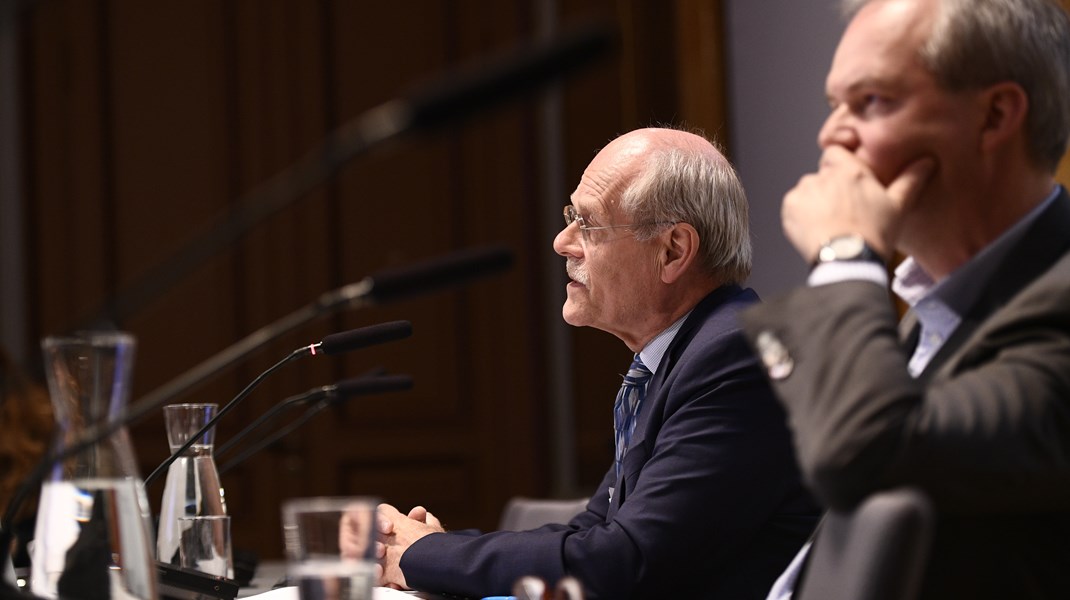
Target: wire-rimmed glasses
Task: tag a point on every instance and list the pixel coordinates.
(573, 216)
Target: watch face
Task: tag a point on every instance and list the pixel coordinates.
(846, 247)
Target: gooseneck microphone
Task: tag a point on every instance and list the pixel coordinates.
(397, 283)
(386, 285)
(332, 344)
(319, 399)
(281, 407)
(372, 335)
(457, 94)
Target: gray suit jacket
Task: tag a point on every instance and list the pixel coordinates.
(985, 430)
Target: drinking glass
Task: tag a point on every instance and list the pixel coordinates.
(330, 546)
(204, 544)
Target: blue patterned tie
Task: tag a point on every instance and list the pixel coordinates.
(626, 409)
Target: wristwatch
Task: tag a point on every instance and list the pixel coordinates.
(850, 248)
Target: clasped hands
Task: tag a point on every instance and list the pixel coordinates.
(396, 532)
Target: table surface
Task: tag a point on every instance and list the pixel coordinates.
(271, 572)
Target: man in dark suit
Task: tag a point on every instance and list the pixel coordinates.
(704, 500)
(947, 122)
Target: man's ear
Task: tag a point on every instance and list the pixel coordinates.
(679, 251)
(1006, 106)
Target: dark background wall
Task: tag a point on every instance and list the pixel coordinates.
(127, 126)
(140, 123)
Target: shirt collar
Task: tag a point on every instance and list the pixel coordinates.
(654, 351)
(961, 288)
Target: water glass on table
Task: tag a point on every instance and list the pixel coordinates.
(204, 544)
(330, 546)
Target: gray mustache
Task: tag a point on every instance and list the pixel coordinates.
(576, 271)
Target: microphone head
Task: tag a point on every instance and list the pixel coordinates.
(466, 92)
(453, 269)
(337, 343)
(362, 386)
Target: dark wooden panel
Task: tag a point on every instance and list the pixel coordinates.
(67, 170)
(147, 120)
(702, 79)
(445, 482)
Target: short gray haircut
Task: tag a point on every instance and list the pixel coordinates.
(683, 185)
(977, 43)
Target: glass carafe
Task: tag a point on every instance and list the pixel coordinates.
(192, 488)
(93, 537)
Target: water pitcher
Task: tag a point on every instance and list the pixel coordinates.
(93, 537)
(192, 488)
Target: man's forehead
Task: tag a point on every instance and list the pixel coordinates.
(879, 45)
(888, 25)
(605, 179)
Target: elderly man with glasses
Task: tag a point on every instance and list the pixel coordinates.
(703, 499)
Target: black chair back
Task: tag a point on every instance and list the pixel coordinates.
(877, 551)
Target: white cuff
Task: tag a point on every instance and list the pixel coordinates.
(847, 270)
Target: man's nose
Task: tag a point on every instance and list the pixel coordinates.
(567, 242)
(838, 130)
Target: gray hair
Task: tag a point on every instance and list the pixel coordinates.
(682, 185)
(977, 43)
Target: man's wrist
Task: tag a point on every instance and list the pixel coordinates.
(850, 247)
(838, 272)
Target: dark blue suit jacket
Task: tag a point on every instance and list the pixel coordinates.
(709, 504)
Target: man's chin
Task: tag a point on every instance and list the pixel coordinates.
(573, 315)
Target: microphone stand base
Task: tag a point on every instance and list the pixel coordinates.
(177, 583)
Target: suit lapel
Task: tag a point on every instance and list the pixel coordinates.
(679, 343)
(909, 332)
(654, 399)
(953, 344)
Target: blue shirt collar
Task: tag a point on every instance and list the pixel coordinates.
(961, 288)
(654, 351)
(940, 306)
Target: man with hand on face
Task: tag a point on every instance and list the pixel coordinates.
(948, 119)
(703, 499)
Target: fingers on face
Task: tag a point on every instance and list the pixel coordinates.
(908, 184)
(834, 156)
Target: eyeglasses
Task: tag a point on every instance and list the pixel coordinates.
(572, 216)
